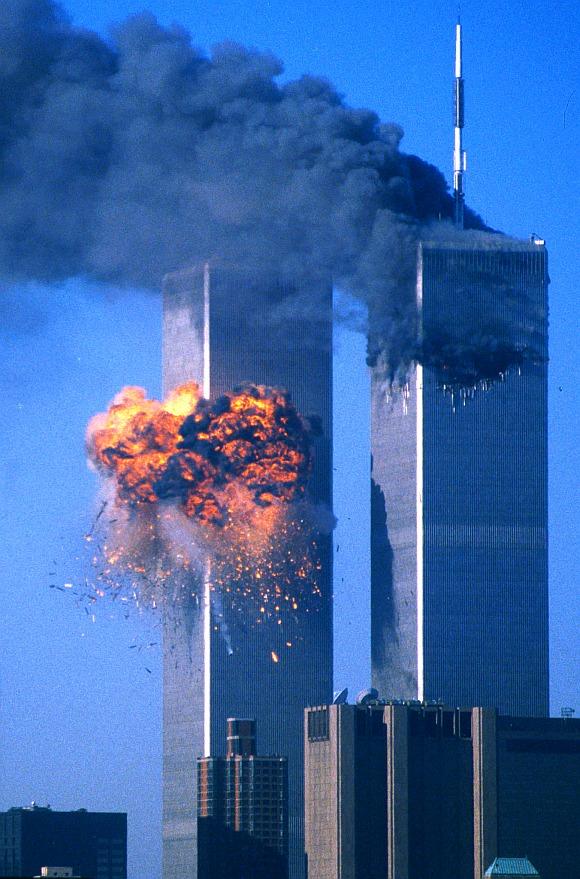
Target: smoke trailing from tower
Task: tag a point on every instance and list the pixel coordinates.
(128, 157)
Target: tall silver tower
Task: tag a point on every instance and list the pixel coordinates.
(459, 556)
(222, 328)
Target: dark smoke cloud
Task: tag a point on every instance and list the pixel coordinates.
(127, 158)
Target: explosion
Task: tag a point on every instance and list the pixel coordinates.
(198, 481)
(207, 456)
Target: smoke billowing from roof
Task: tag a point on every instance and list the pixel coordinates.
(126, 158)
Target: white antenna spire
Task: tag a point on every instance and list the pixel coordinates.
(459, 155)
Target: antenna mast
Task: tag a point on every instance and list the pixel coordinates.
(459, 155)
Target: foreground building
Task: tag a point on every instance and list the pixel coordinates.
(345, 776)
(222, 328)
(449, 790)
(94, 844)
(459, 546)
(242, 810)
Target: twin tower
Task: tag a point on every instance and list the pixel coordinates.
(459, 593)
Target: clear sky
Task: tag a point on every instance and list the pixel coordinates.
(80, 701)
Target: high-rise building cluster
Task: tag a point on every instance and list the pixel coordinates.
(402, 786)
(449, 765)
(458, 603)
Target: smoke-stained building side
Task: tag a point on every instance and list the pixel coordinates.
(222, 328)
(459, 492)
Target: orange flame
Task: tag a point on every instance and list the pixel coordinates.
(250, 445)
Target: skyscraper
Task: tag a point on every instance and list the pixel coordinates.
(242, 810)
(459, 492)
(222, 328)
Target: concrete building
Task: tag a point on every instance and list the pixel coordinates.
(459, 574)
(345, 792)
(450, 790)
(222, 328)
(242, 810)
(91, 844)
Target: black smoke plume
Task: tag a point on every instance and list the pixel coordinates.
(129, 157)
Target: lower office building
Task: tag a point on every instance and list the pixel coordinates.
(345, 792)
(421, 791)
(93, 844)
(242, 810)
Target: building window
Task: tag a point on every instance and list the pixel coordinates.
(318, 725)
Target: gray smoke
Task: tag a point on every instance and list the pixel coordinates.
(127, 158)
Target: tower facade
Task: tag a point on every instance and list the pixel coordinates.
(222, 328)
(459, 563)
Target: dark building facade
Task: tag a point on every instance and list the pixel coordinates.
(221, 329)
(242, 810)
(94, 844)
(459, 574)
(453, 790)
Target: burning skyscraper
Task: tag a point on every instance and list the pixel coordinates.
(224, 657)
(459, 563)
(459, 498)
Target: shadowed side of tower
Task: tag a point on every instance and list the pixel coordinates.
(223, 328)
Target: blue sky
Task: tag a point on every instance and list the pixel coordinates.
(80, 714)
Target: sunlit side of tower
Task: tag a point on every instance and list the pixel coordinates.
(222, 328)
